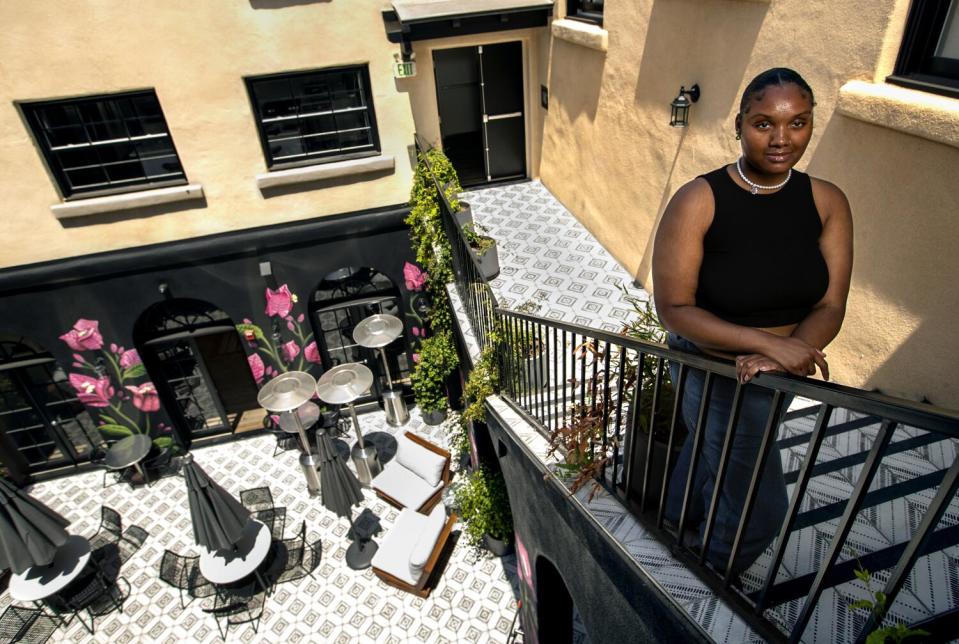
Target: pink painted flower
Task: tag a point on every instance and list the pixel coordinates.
(290, 326)
(414, 277)
(256, 366)
(416, 357)
(92, 392)
(416, 331)
(113, 347)
(129, 358)
(78, 357)
(247, 321)
(279, 302)
(145, 397)
(311, 353)
(84, 336)
(300, 318)
(290, 350)
(270, 371)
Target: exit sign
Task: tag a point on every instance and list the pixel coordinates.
(404, 69)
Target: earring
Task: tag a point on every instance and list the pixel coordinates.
(737, 136)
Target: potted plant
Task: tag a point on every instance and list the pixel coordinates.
(528, 351)
(483, 504)
(483, 248)
(463, 216)
(437, 360)
(646, 326)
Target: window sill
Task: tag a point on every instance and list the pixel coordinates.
(581, 33)
(922, 114)
(126, 201)
(323, 171)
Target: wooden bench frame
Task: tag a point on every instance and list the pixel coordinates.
(431, 502)
(421, 589)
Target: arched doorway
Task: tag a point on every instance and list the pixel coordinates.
(554, 605)
(342, 300)
(195, 357)
(43, 425)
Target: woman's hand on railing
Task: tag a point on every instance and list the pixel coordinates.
(796, 356)
(747, 366)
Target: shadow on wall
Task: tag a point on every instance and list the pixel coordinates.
(899, 334)
(715, 49)
(133, 213)
(281, 4)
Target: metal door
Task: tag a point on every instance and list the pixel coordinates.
(481, 102)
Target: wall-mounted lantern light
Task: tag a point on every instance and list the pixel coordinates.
(680, 105)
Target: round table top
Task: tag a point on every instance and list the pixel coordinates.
(309, 413)
(128, 451)
(227, 566)
(39, 582)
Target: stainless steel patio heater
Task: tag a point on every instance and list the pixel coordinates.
(285, 394)
(341, 385)
(376, 332)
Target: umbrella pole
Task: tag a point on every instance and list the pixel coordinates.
(386, 369)
(307, 461)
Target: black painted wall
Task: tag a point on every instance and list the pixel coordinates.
(44, 301)
(616, 603)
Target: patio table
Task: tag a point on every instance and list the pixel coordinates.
(39, 582)
(129, 452)
(229, 565)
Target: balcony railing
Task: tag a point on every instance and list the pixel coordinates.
(609, 392)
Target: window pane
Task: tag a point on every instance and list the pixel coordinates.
(59, 115)
(115, 152)
(949, 40)
(287, 127)
(78, 157)
(160, 166)
(86, 178)
(146, 105)
(322, 143)
(70, 135)
(350, 120)
(120, 172)
(324, 124)
(289, 148)
(354, 139)
(275, 99)
(153, 147)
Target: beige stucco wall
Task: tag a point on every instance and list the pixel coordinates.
(195, 54)
(422, 87)
(611, 157)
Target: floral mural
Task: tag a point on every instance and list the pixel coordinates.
(420, 301)
(289, 347)
(113, 385)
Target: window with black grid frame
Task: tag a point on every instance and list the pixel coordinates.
(314, 117)
(585, 10)
(105, 144)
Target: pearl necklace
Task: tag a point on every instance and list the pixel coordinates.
(757, 187)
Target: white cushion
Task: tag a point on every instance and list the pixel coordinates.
(399, 483)
(429, 533)
(393, 555)
(419, 460)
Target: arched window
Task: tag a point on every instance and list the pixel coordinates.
(42, 421)
(195, 357)
(342, 300)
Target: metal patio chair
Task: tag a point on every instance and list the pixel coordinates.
(110, 530)
(256, 499)
(22, 624)
(301, 557)
(183, 572)
(238, 605)
(94, 594)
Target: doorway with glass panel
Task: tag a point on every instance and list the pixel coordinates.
(481, 105)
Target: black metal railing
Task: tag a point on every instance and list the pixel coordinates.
(611, 401)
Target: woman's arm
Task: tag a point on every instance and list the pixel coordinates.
(677, 257)
(835, 243)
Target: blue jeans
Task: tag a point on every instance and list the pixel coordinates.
(771, 503)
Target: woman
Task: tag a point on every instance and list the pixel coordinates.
(752, 263)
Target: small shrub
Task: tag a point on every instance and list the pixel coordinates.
(483, 504)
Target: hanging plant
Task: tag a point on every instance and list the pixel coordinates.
(437, 359)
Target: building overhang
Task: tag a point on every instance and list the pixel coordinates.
(410, 20)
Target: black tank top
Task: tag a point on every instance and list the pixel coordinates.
(761, 261)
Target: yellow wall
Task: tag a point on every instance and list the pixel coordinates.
(195, 54)
(611, 157)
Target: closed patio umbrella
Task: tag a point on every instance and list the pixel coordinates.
(341, 491)
(30, 532)
(218, 518)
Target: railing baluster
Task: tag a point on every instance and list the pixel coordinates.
(554, 377)
(698, 436)
(805, 475)
(565, 384)
(632, 427)
(606, 366)
(869, 468)
(721, 471)
(582, 376)
(617, 430)
(540, 367)
(671, 443)
(930, 519)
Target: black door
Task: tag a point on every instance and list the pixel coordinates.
(481, 108)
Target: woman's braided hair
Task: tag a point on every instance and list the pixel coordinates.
(775, 76)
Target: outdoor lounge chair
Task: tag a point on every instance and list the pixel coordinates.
(416, 476)
(412, 548)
